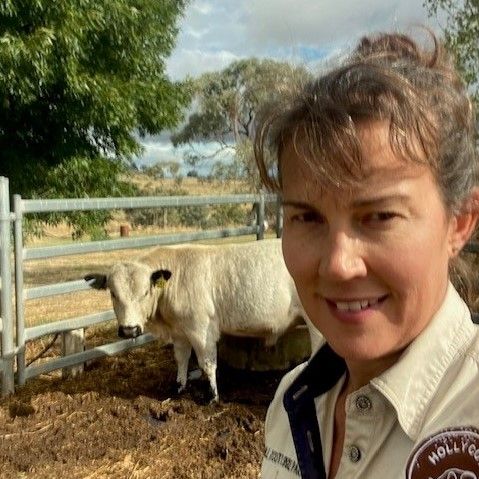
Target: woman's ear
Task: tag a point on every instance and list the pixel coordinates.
(464, 223)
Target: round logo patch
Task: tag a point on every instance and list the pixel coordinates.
(448, 454)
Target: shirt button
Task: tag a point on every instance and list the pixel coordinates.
(363, 403)
(354, 454)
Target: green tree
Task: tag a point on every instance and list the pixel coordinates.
(461, 34)
(80, 80)
(225, 104)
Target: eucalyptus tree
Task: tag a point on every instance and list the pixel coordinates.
(461, 34)
(80, 81)
(223, 110)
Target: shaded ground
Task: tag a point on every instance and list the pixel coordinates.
(121, 419)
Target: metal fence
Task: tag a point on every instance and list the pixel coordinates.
(13, 330)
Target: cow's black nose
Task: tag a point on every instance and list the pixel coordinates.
(129, 331)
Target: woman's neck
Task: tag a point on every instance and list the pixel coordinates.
(360, 373)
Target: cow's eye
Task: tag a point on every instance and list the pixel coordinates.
(146, 293)
(113, 295)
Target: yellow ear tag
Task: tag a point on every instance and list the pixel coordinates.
(160, 283)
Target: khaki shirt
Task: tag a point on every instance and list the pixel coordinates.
(395, 424)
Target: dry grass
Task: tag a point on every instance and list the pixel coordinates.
(194, 186)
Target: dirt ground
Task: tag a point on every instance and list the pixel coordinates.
(122, 419)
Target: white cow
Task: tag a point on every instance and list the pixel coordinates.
(193, 293)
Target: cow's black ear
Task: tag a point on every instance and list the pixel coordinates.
(160, 277)
(96, 281)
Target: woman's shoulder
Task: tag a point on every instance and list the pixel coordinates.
(472, 351)
(455, 403)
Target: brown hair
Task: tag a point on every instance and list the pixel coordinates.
(387, 77)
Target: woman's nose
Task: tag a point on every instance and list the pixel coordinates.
(342, 258)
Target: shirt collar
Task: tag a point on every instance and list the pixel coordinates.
(410, 384)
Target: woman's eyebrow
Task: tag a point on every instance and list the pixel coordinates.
(358, 203)
(297, 204)
(375, 200)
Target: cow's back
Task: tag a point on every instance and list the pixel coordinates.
(244, 287)
(253, 278)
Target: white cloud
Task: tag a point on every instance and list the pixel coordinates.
(161, 150)
(196, 33)
(157, 151)
(204, 8)
(215, 32)
(195, 62)
(316, 23)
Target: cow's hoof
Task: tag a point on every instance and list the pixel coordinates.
(201, 392)
(212, 396)
(180, 388)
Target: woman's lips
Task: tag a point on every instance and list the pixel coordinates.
(354, 308)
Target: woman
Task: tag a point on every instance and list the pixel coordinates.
(378, 174)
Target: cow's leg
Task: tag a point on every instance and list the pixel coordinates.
(207, 363)
(203, 336)
(182, 349)
(206, 355)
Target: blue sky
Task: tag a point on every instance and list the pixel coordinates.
(213, 33)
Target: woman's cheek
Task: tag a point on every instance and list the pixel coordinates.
(299, 255)
(290, 257)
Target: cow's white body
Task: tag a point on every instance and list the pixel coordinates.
(240, 289)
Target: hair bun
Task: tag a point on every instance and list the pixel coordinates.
(397, 47)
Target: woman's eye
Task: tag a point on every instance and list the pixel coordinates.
(380, 217)
(307, 217)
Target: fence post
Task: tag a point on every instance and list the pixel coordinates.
(279, 216)
(73, 342)
(19, 301)
(260, 217)
(7, 339)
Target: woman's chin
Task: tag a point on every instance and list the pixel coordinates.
(362, 351)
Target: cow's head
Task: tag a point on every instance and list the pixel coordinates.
(134, 289)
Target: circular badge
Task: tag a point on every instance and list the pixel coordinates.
(449, 454)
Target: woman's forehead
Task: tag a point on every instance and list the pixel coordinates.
(379, 164)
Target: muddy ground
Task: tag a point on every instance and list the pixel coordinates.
(122, 419)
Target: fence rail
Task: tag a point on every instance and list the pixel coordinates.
(111, 245)
(13, 330)
(89, 204)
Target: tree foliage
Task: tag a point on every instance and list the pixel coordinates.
(224, 107)
(78, 80)
(461, 34)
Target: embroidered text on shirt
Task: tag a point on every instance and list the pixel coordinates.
(282, 460)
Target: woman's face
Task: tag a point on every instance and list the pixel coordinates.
(370, 263)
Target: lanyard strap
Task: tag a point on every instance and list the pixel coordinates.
(321, 374)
